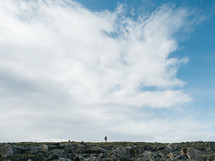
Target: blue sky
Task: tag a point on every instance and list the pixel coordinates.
(197, 44)
(134, 70)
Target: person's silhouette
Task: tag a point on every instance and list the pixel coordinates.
(105, 138)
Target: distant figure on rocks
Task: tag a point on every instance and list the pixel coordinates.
(105, 138)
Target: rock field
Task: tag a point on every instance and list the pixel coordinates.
(111, 151)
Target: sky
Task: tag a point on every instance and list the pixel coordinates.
(132, 70)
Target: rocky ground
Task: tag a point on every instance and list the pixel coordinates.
(114, 151)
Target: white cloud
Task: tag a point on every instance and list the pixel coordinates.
(65, 65)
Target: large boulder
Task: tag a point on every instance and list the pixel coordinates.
(44, 147)
(171, 147)
(120, 154)
(146, 156)
(193, 154)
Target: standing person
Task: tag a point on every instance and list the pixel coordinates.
(105, 138)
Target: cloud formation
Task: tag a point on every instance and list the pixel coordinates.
(73, 68)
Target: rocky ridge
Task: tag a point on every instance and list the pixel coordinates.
(112, 151)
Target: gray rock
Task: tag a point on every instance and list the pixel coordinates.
(147, 154)
(78, 158)
(120, 153)
(129, 147)
(95, 150)
(140, 159)
(159, 147)
(194, 155)
(54, 155)
(171, 147)
(64, 159)
(181, 157)
(73, 151)
(170, 156)
(6, 150)
(93, 159)
(106, 159)
(44, 147)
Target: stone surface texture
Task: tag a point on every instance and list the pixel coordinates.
(111, 151)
